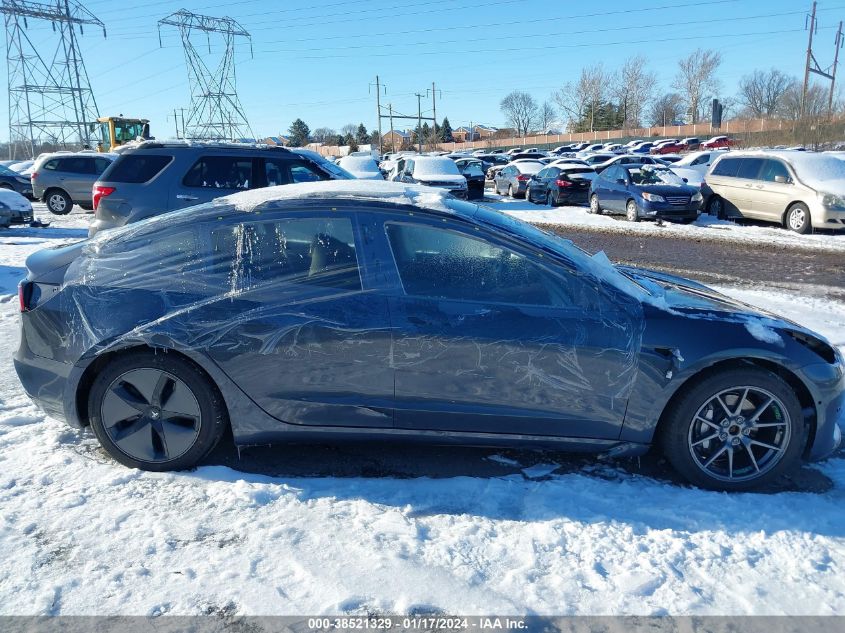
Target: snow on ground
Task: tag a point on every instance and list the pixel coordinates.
(80, 534)
(706, 227)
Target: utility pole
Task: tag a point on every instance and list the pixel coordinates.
(812, 25)
(392, 131)
(419, 120)
(434, 106)
(838, 45)
(379, 86)
(176, 121)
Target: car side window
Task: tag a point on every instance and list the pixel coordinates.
(543, 173)
(301, 172)
(772, 169)
(76, 165)
(446, 264)
(311, 251)
(51, 165)
(100, 165)
(701, 160)
(409, 167)
(749, 168)
(220, 172)
(276, 172)
(727, 167)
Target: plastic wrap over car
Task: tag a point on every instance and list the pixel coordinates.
(300, 304)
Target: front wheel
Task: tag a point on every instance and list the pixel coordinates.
(735, 430)
(798, 218)
(155, 411)
(510, 191)
(716, 207)
(595, 206)
(631, 212)
(550, 199)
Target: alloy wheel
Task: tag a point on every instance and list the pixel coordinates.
(57, 203)
(151, 415)
(739, 434)
(631, 211)
(797, 218)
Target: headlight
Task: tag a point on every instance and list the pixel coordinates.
(697, 197)
(652, 197)
(832, 201)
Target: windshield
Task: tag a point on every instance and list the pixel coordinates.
(359, 163)
(472, 169)
(815, 168)
(650, 176)
(12, 174)
(436, 167)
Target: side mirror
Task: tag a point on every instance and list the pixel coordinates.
(621, 181)
(685, 179)
(781, 179)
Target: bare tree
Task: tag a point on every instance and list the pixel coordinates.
(350, 129)
(324, 135)
(761, 91)
(546, 116)
(632, 87)
(521, 111)
(815, 105)
(580, 100)
(666, 110)
(696, 80)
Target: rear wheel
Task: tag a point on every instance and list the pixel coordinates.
(735, 430)
(798, 218)
(155, 411)
(595, 205)
(631, 212)
(550, 199)
(58, 202)
(510, 191)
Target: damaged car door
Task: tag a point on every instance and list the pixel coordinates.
(490, 337)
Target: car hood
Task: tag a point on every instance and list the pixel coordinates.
(14, 200)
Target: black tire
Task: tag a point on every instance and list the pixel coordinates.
(797, 218)
(510, 191)
(550, 199)
(716, 207)
(682, 423)
(58, 202)
(146, 447)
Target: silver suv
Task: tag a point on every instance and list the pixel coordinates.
(154, 177)
(64, 179)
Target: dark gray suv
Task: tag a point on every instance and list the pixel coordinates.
(155, 177)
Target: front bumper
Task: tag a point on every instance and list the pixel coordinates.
(824, 218)
(664, 210)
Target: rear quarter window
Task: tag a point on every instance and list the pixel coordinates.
(138, 168)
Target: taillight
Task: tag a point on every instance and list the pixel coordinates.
(523, 178)
(563, 183)
(33, 175)
(100, 192)
(24, 293)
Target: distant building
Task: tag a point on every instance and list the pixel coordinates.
(396, 138)
(485, 131)
(281, 141)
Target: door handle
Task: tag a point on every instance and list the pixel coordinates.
(748, 186)
(182, 196)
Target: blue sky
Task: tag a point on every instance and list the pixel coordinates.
(316, 60)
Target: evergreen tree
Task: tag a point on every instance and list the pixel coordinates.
(350, 141)
(298, 133)
(339, 140)
(361, 135)
(446, 131)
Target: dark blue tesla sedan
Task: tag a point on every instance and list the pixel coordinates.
(644, 192)
(372, 311)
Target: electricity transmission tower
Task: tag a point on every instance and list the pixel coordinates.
(50, 97)
(216, 112)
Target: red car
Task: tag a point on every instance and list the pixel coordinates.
(718, 142)
(667, 148)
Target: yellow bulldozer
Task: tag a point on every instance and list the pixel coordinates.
(119, 130)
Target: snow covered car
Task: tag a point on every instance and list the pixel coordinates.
(384, 311)
(362, 167)
(694, 166)
(19, 208)
(434, 171)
